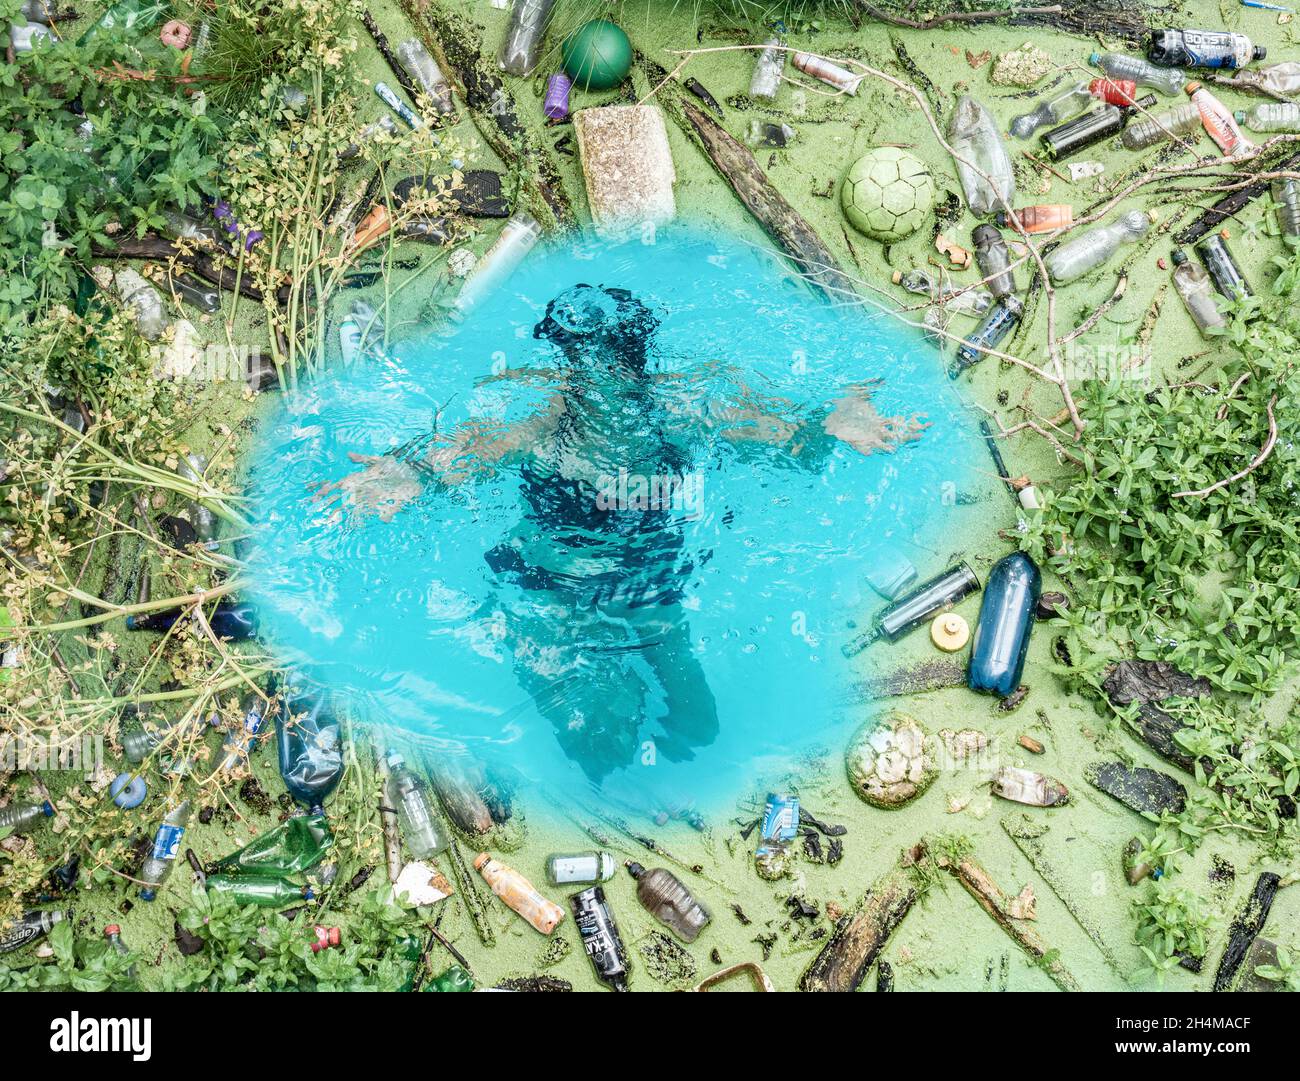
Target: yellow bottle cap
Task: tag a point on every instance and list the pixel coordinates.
(949, 632)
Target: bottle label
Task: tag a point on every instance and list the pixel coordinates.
(167, 841)
(576, 869)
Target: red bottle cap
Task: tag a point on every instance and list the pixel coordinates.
(112, 929)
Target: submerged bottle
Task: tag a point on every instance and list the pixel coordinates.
(166, 846)
(1197, 292)
(580, 868)
(241, 742)
(919, 606)
(29, 927)
(1038, 219)
(600, 937)
(1001, 640)
(1218, 120)
(519, 894)
(114, 935)
(1142, 72)
(1283, 78)
(974, 301)
(975, 137)
(298, 844)
(1271, 116)
(1076, 257)
(192, 468)
(267, 891)
(144, 302)
(992, 332)
(1286, 193)
(310, 749)
(409, 796)
(1053, 110)
(522, 45)
(1202, 49)
(663, 895)
(994, 260)
(1222, 268)
(420, 64)
(517, 239)
(1144, 131)
(768, 69)
(21, 817)
(229, 619)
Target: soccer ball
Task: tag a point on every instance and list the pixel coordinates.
(887, 193)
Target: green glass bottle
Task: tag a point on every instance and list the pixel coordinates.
(298, 844)
(264, 890)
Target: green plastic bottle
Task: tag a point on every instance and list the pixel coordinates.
(130, 14)
(454, 979)
(298, 844)
(264, 890)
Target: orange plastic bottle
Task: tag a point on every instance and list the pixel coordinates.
(520, 894)
(1218, 120)
(1038, 219)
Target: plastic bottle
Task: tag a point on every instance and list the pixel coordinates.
(21, 817)
(992, 331)
(409, 796)
(1197, 292)
(228, 619)
(1222, 268)
(203, 297)
(166, 846)
(1088, 129)
(140, 742)
(296, 845)
(1142, 72)
(1271, 116)
(389, 97)
(266, 891)
(181, 226)
(920, 605)
(517, 239)
(1053, 110)
(777, 828)
(1283, 78)
(1144, 131)
(556, 102)
(192, 468)
(522, 45)
(432, 81)
(994, 260)
(1077, 256)
(310, 749)
(114, 935)
(23, 39)
(1218, 120)
(1038, 219)
(600, 937)
(768, 70)
(143, 300)
(1202, 49)
(37, 11)
(663, 895)
(975, 137)
(1121, 92)
(128, 14)
(580, 868)
(384, 125)
(519, 894)
(831, 74)
(29, 927)
(1001, 639)
(1286, 193)
(961, 301)
(240, 743)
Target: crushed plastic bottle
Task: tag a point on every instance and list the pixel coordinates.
(975, 137)
(777, 828)
(1074, 258)
(768, 69)
(1001, 639)
(968, 301)
(1218, 121)
(1271, 116)
(1202, 49)
(1055, 110)
(1045, 218)
(22, 817)
(1283, 78)
(1194, 287)
(409, 796)
(1144, 131)
(310, 748)
(994, 260)
(600, 938)
(166, 846)
(29, 927)
(432, 81)
(296, 845)
(522, 45)
(664, 896)
(1143, 72)
(242, 742)
(1286, 194)
(144, 302)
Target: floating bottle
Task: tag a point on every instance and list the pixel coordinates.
(1202, 49)
(1001, 640)
(1222, 268)
(975, 137)
(192, 468)
(994, 260)
(166, 846)
(992, 332)
(409, 796)
(144, 302)
(296, 845)
(522, 45)
(1088, 129)
(1030, 788)
(1283, 78)
(1055, 110)
(1144, 131)
(1037, 219)
(919, 606)
(974, 301)
(663, 895)
(229, 619)
(1121, 92)
(768, 69)
(425, 69)
(580, 868)
(29, 927)
(181, 226)
(240, 743)
(1074, 258)
(310, 748)
(1142, 72)
(385, 125)
(203, 297)
(1193, 285)
(140, 742)
(831, 74)
(25, 38)
(1286, 193)
(517, 239)
(1218, 120)
(520, 894)
(265, 891)
(389, 97)
(113, 933)
(22, 817)
(600, 937)
(1271, 116)
(777, 828)
(556, 103)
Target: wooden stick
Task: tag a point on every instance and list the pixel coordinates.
(857, 941)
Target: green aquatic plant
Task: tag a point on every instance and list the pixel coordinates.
(79, 964)
(1173, 924)
(1286, 973)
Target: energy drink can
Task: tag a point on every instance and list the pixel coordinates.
(600, 937)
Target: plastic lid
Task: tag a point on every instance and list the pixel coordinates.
(1179, 257)
(480, 860)
(949, 631)
(1191, 88)
(147, 895)
(47, 809)
(1240, 116)
(1261, 51)
(1001, 218)
(112, 929)
(1095, 58)
(395, 759)
(635, 869)
(896, 277)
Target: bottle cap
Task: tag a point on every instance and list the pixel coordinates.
(949, 631)
(1240, 116)
(1002, 219)
(1261, 51)
(147, 895)
(635, 869)
(480, 860)
(112, 929)
(1094, 59)
(396, 760)
(1191, 88)
(1179, 257)
(896, 277)
(47, 809)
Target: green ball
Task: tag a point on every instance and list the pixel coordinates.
(887, 193)
(597, 56)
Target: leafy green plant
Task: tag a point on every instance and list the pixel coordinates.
(1172, 923)
(78, 965)
(1286, 973)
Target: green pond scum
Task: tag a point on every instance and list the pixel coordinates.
(1149, 471)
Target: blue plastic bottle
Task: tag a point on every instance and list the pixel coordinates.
(997, 652)
(311, 752)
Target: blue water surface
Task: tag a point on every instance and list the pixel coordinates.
(637, 581)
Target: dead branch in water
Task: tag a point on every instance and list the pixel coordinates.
(1258, 460)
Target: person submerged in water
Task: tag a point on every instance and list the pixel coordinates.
(595, 573)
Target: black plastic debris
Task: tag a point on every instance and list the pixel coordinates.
(1143, 790)
(1148, 682)
(478, 195)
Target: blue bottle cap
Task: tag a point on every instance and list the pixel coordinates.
(47, 808)
(1094, 59)
(308, 894)
(147, 895)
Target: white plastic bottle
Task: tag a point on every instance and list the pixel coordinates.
(1076, 257)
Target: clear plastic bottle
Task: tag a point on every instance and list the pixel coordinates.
(192, 468)
(140, 742)
(1197, 292)
(1222, 268)
(113, 932)
(663, 895)
(143, 300)
(241, 742)
(1283, 78)
(1286, 193)
(1076, 257)
(517, 239)
(1000, 321)
(580, 868)
(522, 45)
(1142, 72)
(768, 70)
(973, 302)
(420, 64)
(409, 796)
(166, 847)
(21, 817)
(994, 260)
(1144, 131)
(919, 606)
(1055, 110)
(1271, 116)
(976, 138)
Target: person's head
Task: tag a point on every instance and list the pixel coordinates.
(599, 325)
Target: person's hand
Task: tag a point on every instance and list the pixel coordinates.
(854, 420)
(382, 488)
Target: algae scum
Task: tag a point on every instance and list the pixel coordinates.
(913, 788)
